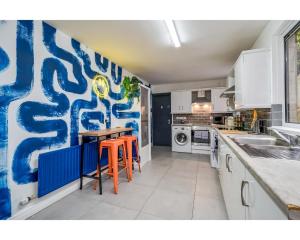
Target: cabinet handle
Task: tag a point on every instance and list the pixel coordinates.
(242, 193)
(227, 163)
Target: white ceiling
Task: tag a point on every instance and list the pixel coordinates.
(208, 48)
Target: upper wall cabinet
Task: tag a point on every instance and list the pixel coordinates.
(181, 102)
(252, 73)
(219, 104)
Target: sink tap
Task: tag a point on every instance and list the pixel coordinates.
(292, 140)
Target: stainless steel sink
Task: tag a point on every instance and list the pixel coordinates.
(257, 140)
(266, 147)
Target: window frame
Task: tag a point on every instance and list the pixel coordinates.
(292, 30)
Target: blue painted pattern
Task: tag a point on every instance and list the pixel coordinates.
(9, 93)
(4, 60)
(54, 121)
(118, 110)
(28, 111)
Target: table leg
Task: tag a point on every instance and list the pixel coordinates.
(81, 161)
(99, 164)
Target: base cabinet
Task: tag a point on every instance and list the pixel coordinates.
(244, 197)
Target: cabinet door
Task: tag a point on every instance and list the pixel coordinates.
(256, 79)
(181, 102)
(186, 102)
(235, 208)
(224, 175)
(218, 103)
(176, 106)
(261, 205)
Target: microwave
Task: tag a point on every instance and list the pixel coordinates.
(218, 119)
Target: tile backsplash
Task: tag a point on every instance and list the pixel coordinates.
(201, 118)
(263, 114)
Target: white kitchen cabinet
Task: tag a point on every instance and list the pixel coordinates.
(260, 204)
(219, 104)
(236, 210)
(244, 197)
(231, 174)
(181, 102)
(252, 73)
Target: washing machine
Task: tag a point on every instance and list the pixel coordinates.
(181, 138)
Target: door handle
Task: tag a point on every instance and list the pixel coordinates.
(169, 121)
(242, 193)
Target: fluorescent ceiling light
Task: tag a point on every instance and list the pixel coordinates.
(173, 33)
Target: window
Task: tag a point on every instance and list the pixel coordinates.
(292, 75)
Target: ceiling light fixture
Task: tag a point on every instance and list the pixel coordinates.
(173, 33)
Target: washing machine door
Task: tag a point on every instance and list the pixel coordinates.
(181, 138)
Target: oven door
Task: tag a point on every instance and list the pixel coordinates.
(201, 137)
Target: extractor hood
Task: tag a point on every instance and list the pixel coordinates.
(229, 92)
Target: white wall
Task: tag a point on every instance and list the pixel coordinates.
(168, 87)
(265, 38)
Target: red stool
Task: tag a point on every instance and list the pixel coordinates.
(112, 146)
(129, 140)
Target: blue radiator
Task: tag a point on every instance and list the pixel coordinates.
(60, 167)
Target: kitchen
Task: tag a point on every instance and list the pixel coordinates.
(200, 122)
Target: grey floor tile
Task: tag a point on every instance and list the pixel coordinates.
(146, 216)
(171, 186)
(70, 207)
(106, 211)
(206, 208)
(204, 164)
(208, 174)
(177, 183)
(183, 171)
(208, 188)
(130, 195)
(170, 205)
(149, 177)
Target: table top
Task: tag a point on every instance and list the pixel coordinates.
(105, 132)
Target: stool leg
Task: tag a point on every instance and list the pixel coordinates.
(137, 155)
(115, 167)
(129, 157)
(126, 163)
(109, 158)
(98, 170)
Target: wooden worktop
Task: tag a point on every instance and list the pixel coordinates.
(105, 132)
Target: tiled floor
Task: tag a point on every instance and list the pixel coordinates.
(171, 186)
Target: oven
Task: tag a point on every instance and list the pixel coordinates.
(200, 136)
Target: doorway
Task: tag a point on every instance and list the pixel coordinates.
(162, 118)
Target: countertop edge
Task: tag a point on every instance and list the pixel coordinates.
(279, 202)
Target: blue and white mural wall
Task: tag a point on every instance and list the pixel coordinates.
(46, 98)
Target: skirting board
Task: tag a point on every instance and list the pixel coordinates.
(38, 205)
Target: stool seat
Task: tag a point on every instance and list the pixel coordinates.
(112, 141)
(128, 137)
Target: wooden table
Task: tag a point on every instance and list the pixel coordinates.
(98, 134)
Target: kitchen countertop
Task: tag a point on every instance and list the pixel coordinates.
(279, 177)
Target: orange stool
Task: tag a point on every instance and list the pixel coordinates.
(112, 146)
(129, 139)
